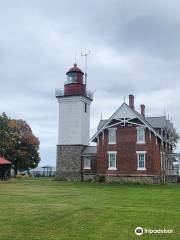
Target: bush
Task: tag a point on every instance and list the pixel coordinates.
(101, 179)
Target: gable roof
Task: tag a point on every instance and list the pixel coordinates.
(4, 161)
(125, 112)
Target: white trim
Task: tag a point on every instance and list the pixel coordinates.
(123, 122)
(111, 130)
(141, 152)
(115, 153)
(144, 135)
(138, 153)
(125, 111)
(111, 126)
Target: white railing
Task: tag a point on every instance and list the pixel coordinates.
(89, 94)
(60, 93)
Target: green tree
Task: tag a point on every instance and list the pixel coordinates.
(174, 138)
(19, 144)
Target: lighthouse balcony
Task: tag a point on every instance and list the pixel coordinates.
(87, 93)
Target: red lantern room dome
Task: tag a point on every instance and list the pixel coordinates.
(74, 69)
(75, 83)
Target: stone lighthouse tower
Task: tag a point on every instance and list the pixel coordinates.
(74, 124)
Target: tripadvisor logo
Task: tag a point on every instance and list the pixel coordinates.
(139, 231)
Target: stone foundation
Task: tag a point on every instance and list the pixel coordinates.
(171, 178)
(140, 179)
(88, 177)
(124, 179)
(68, 166)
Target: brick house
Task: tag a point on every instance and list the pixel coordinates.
(130, 146)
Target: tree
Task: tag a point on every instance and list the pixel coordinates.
(19, 144)
(5, 135)
(174, 138)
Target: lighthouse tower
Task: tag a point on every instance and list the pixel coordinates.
(74, 124)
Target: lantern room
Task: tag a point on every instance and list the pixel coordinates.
(75, 84)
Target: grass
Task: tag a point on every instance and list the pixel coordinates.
(43, 209)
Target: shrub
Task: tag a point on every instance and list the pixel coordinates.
(101, 179)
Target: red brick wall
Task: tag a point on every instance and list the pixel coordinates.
(74, 89)
(126, 148)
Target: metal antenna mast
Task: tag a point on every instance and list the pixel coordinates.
(86, 54)
(75, 58)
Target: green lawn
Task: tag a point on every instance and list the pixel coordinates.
(51, 210)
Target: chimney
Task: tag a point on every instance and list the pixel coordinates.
(131, 101)
(142, 110)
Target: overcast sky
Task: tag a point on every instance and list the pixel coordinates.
(135, 49)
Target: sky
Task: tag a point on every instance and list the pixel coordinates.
(135, 49)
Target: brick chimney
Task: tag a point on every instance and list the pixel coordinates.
(131, 101)
(142, 110)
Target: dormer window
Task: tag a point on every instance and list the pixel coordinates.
(112, 135)
(140, 135)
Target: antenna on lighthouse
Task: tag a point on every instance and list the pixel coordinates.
(85, 54)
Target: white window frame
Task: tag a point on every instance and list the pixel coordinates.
(109, 154)
(109, 138)
(138, 153)
(85, 163)
(137, 130)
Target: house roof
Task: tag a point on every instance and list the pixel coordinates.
(125, 112)
(89, 150)
(101, 123)
(157, 122)
(4, 161)
(160, 122)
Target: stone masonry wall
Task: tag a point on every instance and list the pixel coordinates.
(68, 166)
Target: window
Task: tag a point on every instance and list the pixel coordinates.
(112, 160)
(112, 135)
(141, 158)
(87, 163)
(140, 135)
(85, 107)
